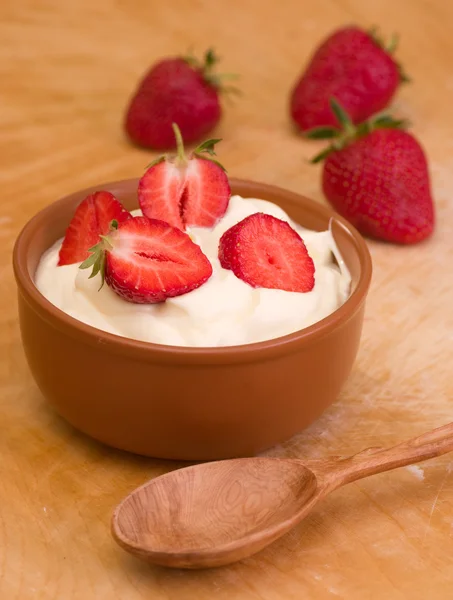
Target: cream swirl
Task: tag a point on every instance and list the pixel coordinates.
(224, 311)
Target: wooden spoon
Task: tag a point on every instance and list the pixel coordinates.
(216, 513)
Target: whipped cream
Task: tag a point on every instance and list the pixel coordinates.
(225, 311)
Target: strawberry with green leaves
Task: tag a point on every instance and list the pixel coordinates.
(177, 89)
(185, 191)
(146, 261)
(376, 176)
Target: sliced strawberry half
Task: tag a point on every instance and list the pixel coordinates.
(185, 192)
(91, 219)
(147, 261)
(266, 252)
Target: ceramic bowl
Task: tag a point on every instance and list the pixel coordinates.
(188, 403)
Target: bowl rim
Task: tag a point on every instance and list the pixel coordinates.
(222, 354)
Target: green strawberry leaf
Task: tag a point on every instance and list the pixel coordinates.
(393, 44)
(322, 133)
(341, 115)
(96, 260)
(322, 155)
(207, 146)
(206, 151)
(156, 161)
(217, 80)
(404, 77)
(350, 132)
(364, 129)
(100, 268)
(210, 58)
(388, 122)
(90, 261)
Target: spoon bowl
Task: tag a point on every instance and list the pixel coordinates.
(216, 513)
(217, 504)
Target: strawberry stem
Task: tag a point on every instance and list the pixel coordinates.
(179, 143)
(206, 68)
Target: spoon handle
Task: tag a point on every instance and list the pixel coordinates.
(339, 471)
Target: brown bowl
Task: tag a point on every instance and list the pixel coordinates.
(188, 403)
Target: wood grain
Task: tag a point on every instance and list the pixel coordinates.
(67, 69)
(212, 514)
(215, 514)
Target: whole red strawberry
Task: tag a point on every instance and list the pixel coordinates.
(352, 66)
(376, 176)
(175, 90)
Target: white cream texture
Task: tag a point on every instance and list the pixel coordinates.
(224, 311)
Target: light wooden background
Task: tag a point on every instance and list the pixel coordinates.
(66, 71)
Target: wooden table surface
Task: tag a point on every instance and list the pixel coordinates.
(67, 69)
